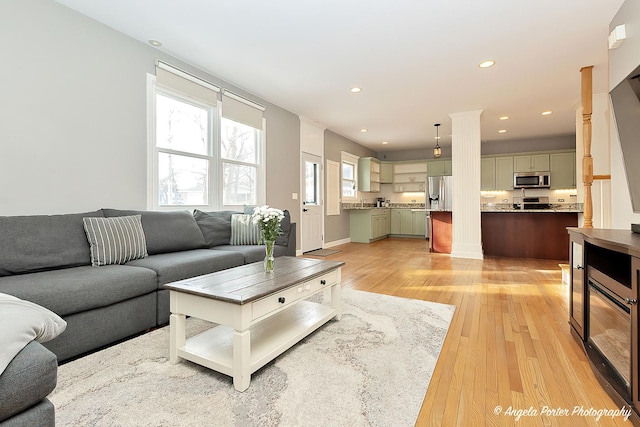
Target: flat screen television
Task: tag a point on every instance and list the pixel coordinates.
(625, 99)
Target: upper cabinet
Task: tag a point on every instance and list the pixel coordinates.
(563, 170)
(409, 176)
(531, 163)
(369, 174)
(496, 173)
(439, 167)
(386, 173)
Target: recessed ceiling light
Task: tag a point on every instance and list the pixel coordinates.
(363, 130)
(385, 142)
(487, 64)
(502, 131)
(356, 89)
(504, 118)
(155, 43)
(546, 113)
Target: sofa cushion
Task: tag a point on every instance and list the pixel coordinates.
(252, 253)
(182, 265)
(115, 240)
(22, 322)
(215, 226)
(72, 290)
(43, 242)
(166, 231)
(243, 230)
(28, 379)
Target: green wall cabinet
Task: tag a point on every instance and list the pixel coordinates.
(531, 163)
(563, 170)
(386, 173)
(439, 167)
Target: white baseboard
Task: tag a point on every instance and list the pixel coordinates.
(336, 243)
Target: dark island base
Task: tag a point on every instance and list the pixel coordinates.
(539, 235)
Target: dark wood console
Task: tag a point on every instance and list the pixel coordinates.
(603, 308)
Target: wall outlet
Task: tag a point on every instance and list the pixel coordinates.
(294, 196)
(505, 200)
(560, 200)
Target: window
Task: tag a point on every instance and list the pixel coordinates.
(201, 155)
(183, 147)
(349, 176)
(239, 151)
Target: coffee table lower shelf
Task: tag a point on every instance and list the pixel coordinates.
(270, 337)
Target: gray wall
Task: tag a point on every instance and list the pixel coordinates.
(73, 116)
(622, 61)
(336, 227)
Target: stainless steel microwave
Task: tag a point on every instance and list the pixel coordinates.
(531, 180)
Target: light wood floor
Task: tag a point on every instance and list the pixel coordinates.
(509, 344)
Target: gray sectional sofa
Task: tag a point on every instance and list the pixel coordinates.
(46, 260)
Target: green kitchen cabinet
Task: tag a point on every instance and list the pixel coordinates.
(386, 173)
(418, 222)
(488, 173)
(531, 163)
(504, 173)
(439, 167)
(563, 170)
(368, 225)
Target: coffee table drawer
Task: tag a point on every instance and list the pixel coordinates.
(287, 296)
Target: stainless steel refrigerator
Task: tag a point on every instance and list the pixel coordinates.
(439, 193)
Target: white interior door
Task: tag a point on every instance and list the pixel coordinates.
(311, 215)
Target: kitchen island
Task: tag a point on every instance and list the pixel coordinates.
(533, 233)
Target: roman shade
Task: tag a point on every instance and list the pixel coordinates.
(181, 81)
(241, 110)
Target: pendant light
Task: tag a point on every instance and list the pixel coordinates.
(437, 151)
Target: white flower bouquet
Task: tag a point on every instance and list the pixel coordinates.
(268, 221)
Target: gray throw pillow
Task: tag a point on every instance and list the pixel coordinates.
(215, 226)
(115, 240)
(285, 226)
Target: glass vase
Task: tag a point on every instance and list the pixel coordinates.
(269, 260)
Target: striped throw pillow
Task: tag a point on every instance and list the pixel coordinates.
(115, 240)
(243, 230)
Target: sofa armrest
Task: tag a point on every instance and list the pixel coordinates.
(291, 242)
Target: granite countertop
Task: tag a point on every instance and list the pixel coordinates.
(369, 206)
(555, 208)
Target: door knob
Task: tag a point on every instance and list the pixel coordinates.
(631, 301)
(305, 210)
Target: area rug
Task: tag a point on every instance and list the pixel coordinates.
(371, 368)
(322, 252)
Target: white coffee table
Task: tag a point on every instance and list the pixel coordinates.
(258, 315)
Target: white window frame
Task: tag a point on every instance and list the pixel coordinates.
(215, 196)
(353, 160)
(261, 187)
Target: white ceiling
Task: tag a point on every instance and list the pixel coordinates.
(416, 60)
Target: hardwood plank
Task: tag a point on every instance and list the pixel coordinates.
(509, 343)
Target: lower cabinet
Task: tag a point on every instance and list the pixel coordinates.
(367, 225)
(407, 223)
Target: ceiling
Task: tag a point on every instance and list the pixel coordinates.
(416, 61)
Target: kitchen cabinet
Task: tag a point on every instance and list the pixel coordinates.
(407, 222)
(439, 167)
(368, 225)
(531, 163)
(369, 174)
(504, 173)
(418, 221)
(496, 173)
(563, 170)
(488, 173)
(409, 176)
(386, 173)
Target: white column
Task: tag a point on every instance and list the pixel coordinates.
(465, 153)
